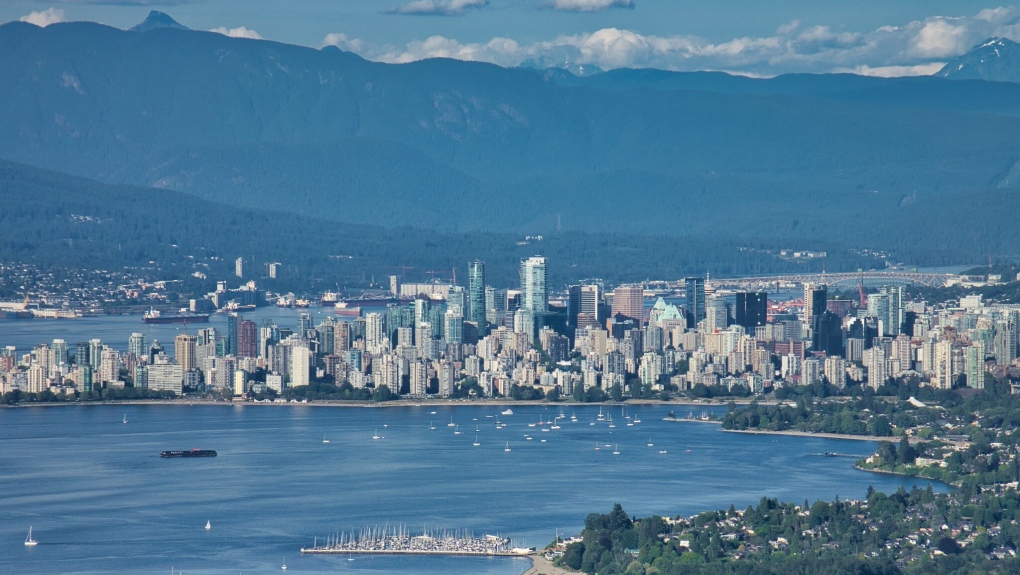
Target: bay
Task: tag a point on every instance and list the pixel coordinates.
(101, 500)
(115, 330)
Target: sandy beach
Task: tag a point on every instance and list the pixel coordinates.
(542, 566)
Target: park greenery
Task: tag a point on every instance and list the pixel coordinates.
(911, 532)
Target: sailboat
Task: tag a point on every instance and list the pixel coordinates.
(324, 440)
(601, 417)
(376, 436)
(29, 542)
(208, 525)
(636, 419)
(507, 448)
(431, 427)
(476, 444)
(555, 424)
(616, 449)
(456, 430)
(650, 444)
(284, 566)
(596, 446)
(451, 424)
(125, 418)
(573, 417)
(611, 424)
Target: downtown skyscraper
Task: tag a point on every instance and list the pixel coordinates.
(476, 295)
(534, 297)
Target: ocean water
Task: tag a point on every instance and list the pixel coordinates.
(115, 330)
(101, 500)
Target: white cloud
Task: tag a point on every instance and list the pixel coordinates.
(788, 27)
(589, 5)
(239, 32)
(437, 7)
(44, 17)
(896, 71)
(344, 42)
(917, 47)
(940, 38)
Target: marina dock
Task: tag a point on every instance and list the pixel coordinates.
(398, 541)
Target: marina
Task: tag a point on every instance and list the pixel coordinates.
(401, 542)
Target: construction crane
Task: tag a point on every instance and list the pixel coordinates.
(403, 271)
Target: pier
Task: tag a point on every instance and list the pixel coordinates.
(398, 541)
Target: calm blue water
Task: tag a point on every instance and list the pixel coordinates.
(115, 330)
(102, 501)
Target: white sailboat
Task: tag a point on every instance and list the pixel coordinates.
(456, 430)
(431, 427)
(29, 542)
(125, 418)
(376, 436)
(208, 525)
(324, 440)
(451, 424)
(284, 566)
(476, 444)
(616, 450)
(650, 444)
(507, 448)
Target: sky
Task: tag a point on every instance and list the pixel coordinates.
(753, 37)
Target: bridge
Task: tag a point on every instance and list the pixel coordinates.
(869, 277)
(926, 279)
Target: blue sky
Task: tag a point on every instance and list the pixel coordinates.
(747, 36)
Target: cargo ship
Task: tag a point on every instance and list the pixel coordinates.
(340, 308)
(191, 453)
(154, 316)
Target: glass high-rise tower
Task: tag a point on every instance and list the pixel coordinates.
(534, 297)
(694, 300)
(476, 295)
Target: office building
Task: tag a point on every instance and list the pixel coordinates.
(247, 339)
(477, 308)
(534, 297)
(184, 351)
(694, 300)
(629, 301)
(752, 309)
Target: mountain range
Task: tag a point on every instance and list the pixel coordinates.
(890, 164)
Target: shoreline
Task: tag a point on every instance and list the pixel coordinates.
(372, 404)
(793, 433)
(542, 566)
